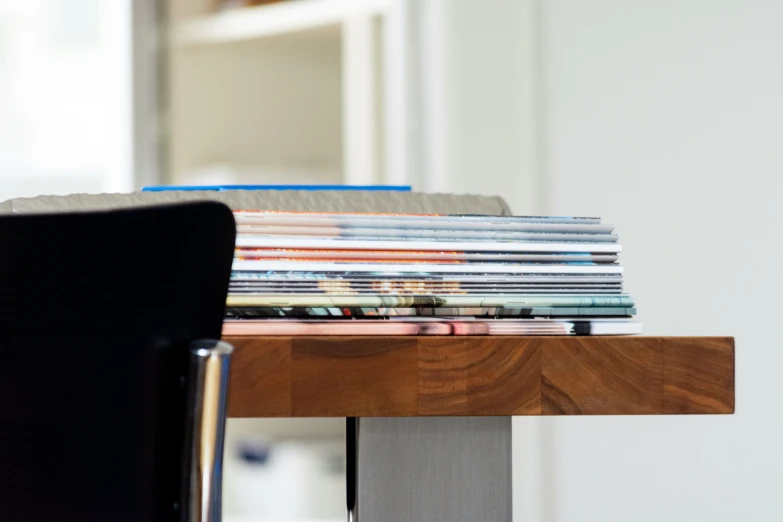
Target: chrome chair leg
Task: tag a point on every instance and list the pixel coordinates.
(207, 391)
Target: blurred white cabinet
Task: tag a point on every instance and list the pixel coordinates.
(291, 92)
(438, 94)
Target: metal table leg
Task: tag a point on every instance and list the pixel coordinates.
(429, 469)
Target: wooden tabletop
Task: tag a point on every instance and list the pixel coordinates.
(426, 376)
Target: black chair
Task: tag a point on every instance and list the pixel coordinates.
(112, 396)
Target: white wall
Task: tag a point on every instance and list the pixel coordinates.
(477, 98)
(666, 118)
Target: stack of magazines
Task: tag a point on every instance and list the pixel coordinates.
(402, 274)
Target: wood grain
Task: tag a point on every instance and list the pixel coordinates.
(598, 376)
(372, 377)
(492, 375)
(264, 389)
(687, 387)
(465, 376)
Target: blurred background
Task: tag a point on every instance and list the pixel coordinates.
(664, 117)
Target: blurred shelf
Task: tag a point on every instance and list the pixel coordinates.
(293, 92)
(258, 174)
(292, 16)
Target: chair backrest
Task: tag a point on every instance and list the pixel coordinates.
(96, 310)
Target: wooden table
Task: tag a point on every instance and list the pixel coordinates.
(429, 417)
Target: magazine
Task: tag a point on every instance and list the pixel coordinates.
(249, 265)
(487, 244)
(402, 301)
(388, 256)
(251, 312)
